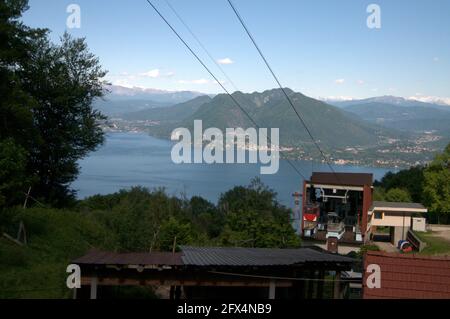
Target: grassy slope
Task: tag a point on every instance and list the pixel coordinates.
(54, 238)
(435, 245)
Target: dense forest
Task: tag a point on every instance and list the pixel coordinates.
(134, 220)
(429, 185)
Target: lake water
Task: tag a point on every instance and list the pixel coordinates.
(131, 159)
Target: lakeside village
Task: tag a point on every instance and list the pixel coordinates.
(391, 153)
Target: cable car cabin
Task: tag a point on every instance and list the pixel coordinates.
(337, 205)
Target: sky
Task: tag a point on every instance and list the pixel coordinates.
(322, 48)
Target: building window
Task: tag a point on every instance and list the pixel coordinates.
(378, 215)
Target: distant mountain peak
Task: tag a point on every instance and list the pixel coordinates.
(133, 91)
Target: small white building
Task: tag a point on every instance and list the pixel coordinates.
(399, 217)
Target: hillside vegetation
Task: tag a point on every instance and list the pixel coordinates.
(134, 220)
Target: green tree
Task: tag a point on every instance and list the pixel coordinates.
(409, 179)
(437, 186)
(136, 216)
(46, 96)
(63, 80)
(174, 231)
(12, 172)
(17, 43)
(205, 216)
(397, 195)
(379, 194)
(254, 218)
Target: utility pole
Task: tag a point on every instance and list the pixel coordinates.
(174, 244)
(297, 213)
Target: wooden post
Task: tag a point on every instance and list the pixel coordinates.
(320, 284)
(177, 292)
(302, 285)
(94, 281)
(337, 286)
(174, 245)
(21, 231)
(272, 287)
(311, 283)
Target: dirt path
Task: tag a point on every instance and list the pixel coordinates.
(442, 231)
(387, 247)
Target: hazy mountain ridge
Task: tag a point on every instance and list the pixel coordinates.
(117, 92)
(389, 99)
(177, 112)
(119, 100)
(409, 118)
(330, 126)
(348, 138)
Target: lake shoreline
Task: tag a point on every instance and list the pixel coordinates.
(138, 159)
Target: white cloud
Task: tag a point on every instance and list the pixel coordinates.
(122, 82)
(225, 61)
(360, 82)
(151, 74)
(339, 81)
(431, 99)
(336, 98)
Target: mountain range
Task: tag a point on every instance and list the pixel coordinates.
(332, 127)
(391, 100)
(174, 113)
(120, 99)
(401, 114)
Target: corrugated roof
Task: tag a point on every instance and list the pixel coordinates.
(214, 256)
(397, 205)
(348, 179)
(96, 257)
(409, 276)
(221, 256)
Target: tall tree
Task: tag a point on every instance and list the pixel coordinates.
(255, 218)
(410, 180)
(437, 185)
(63, 80)
(45, 107)
(16, 118)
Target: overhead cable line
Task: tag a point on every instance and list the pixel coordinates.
(241, 20)
(215, 78)
(201, 45)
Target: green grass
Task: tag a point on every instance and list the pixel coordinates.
(435, 245)
(382, 230)
(55, 237)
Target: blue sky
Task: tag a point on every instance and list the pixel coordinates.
(320, 48)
